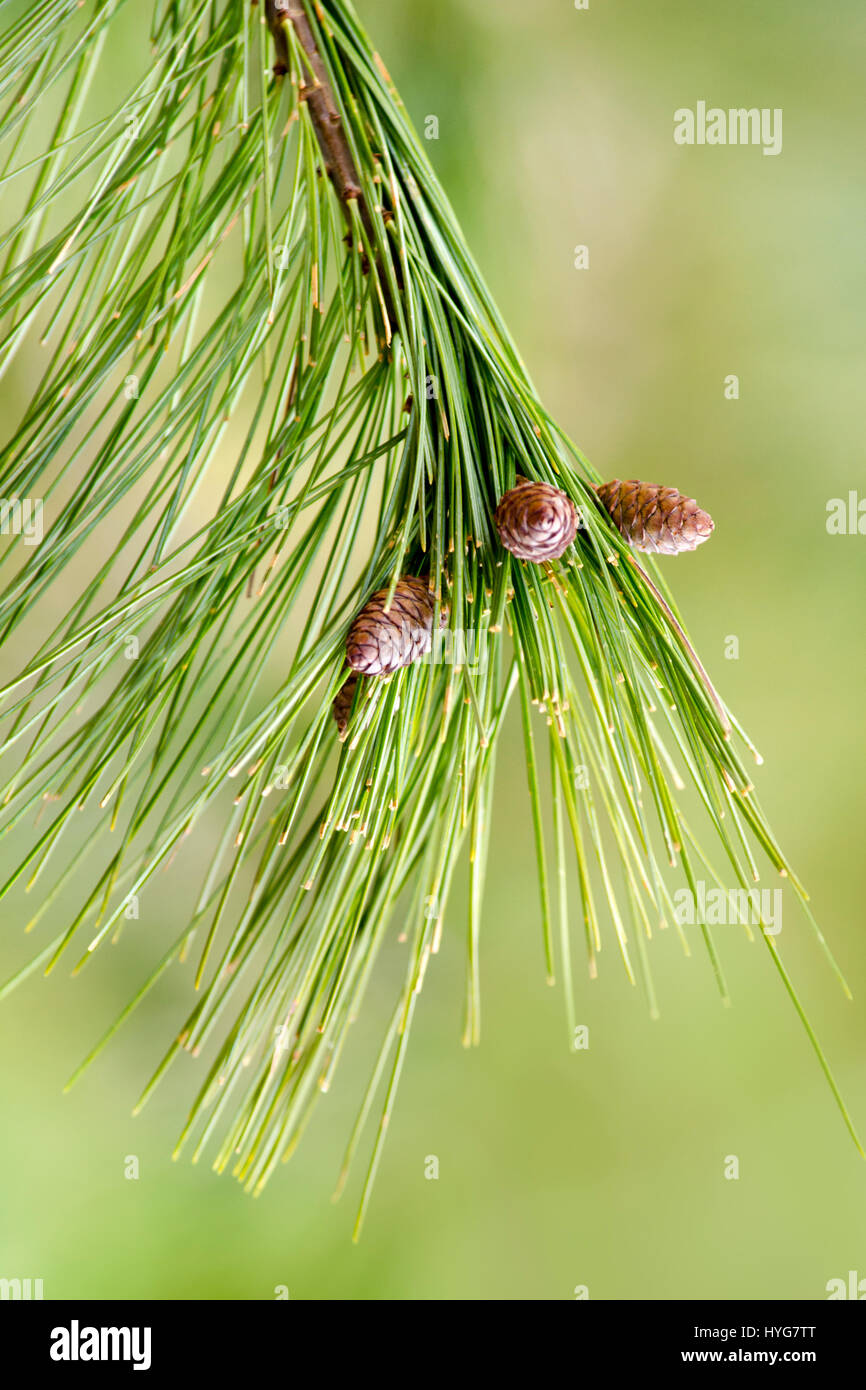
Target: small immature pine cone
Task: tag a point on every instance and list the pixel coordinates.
(342, 706)
(655, 519)
(379, 642)
(536, 521)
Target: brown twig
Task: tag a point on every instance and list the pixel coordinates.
(315, 89)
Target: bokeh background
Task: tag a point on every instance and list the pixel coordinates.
(606, 1167)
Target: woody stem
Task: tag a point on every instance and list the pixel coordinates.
(316, 90)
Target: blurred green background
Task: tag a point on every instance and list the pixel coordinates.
(606, 1167)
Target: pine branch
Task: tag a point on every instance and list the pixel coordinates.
(234, 388)
(316, 91)
(320, 101)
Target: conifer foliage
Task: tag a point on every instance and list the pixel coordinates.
(263, 382)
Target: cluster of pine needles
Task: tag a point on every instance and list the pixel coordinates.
(262, 377)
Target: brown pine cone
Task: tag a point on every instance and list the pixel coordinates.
(380, 642)
(655, 519)
(536, 521)
(342, 706)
